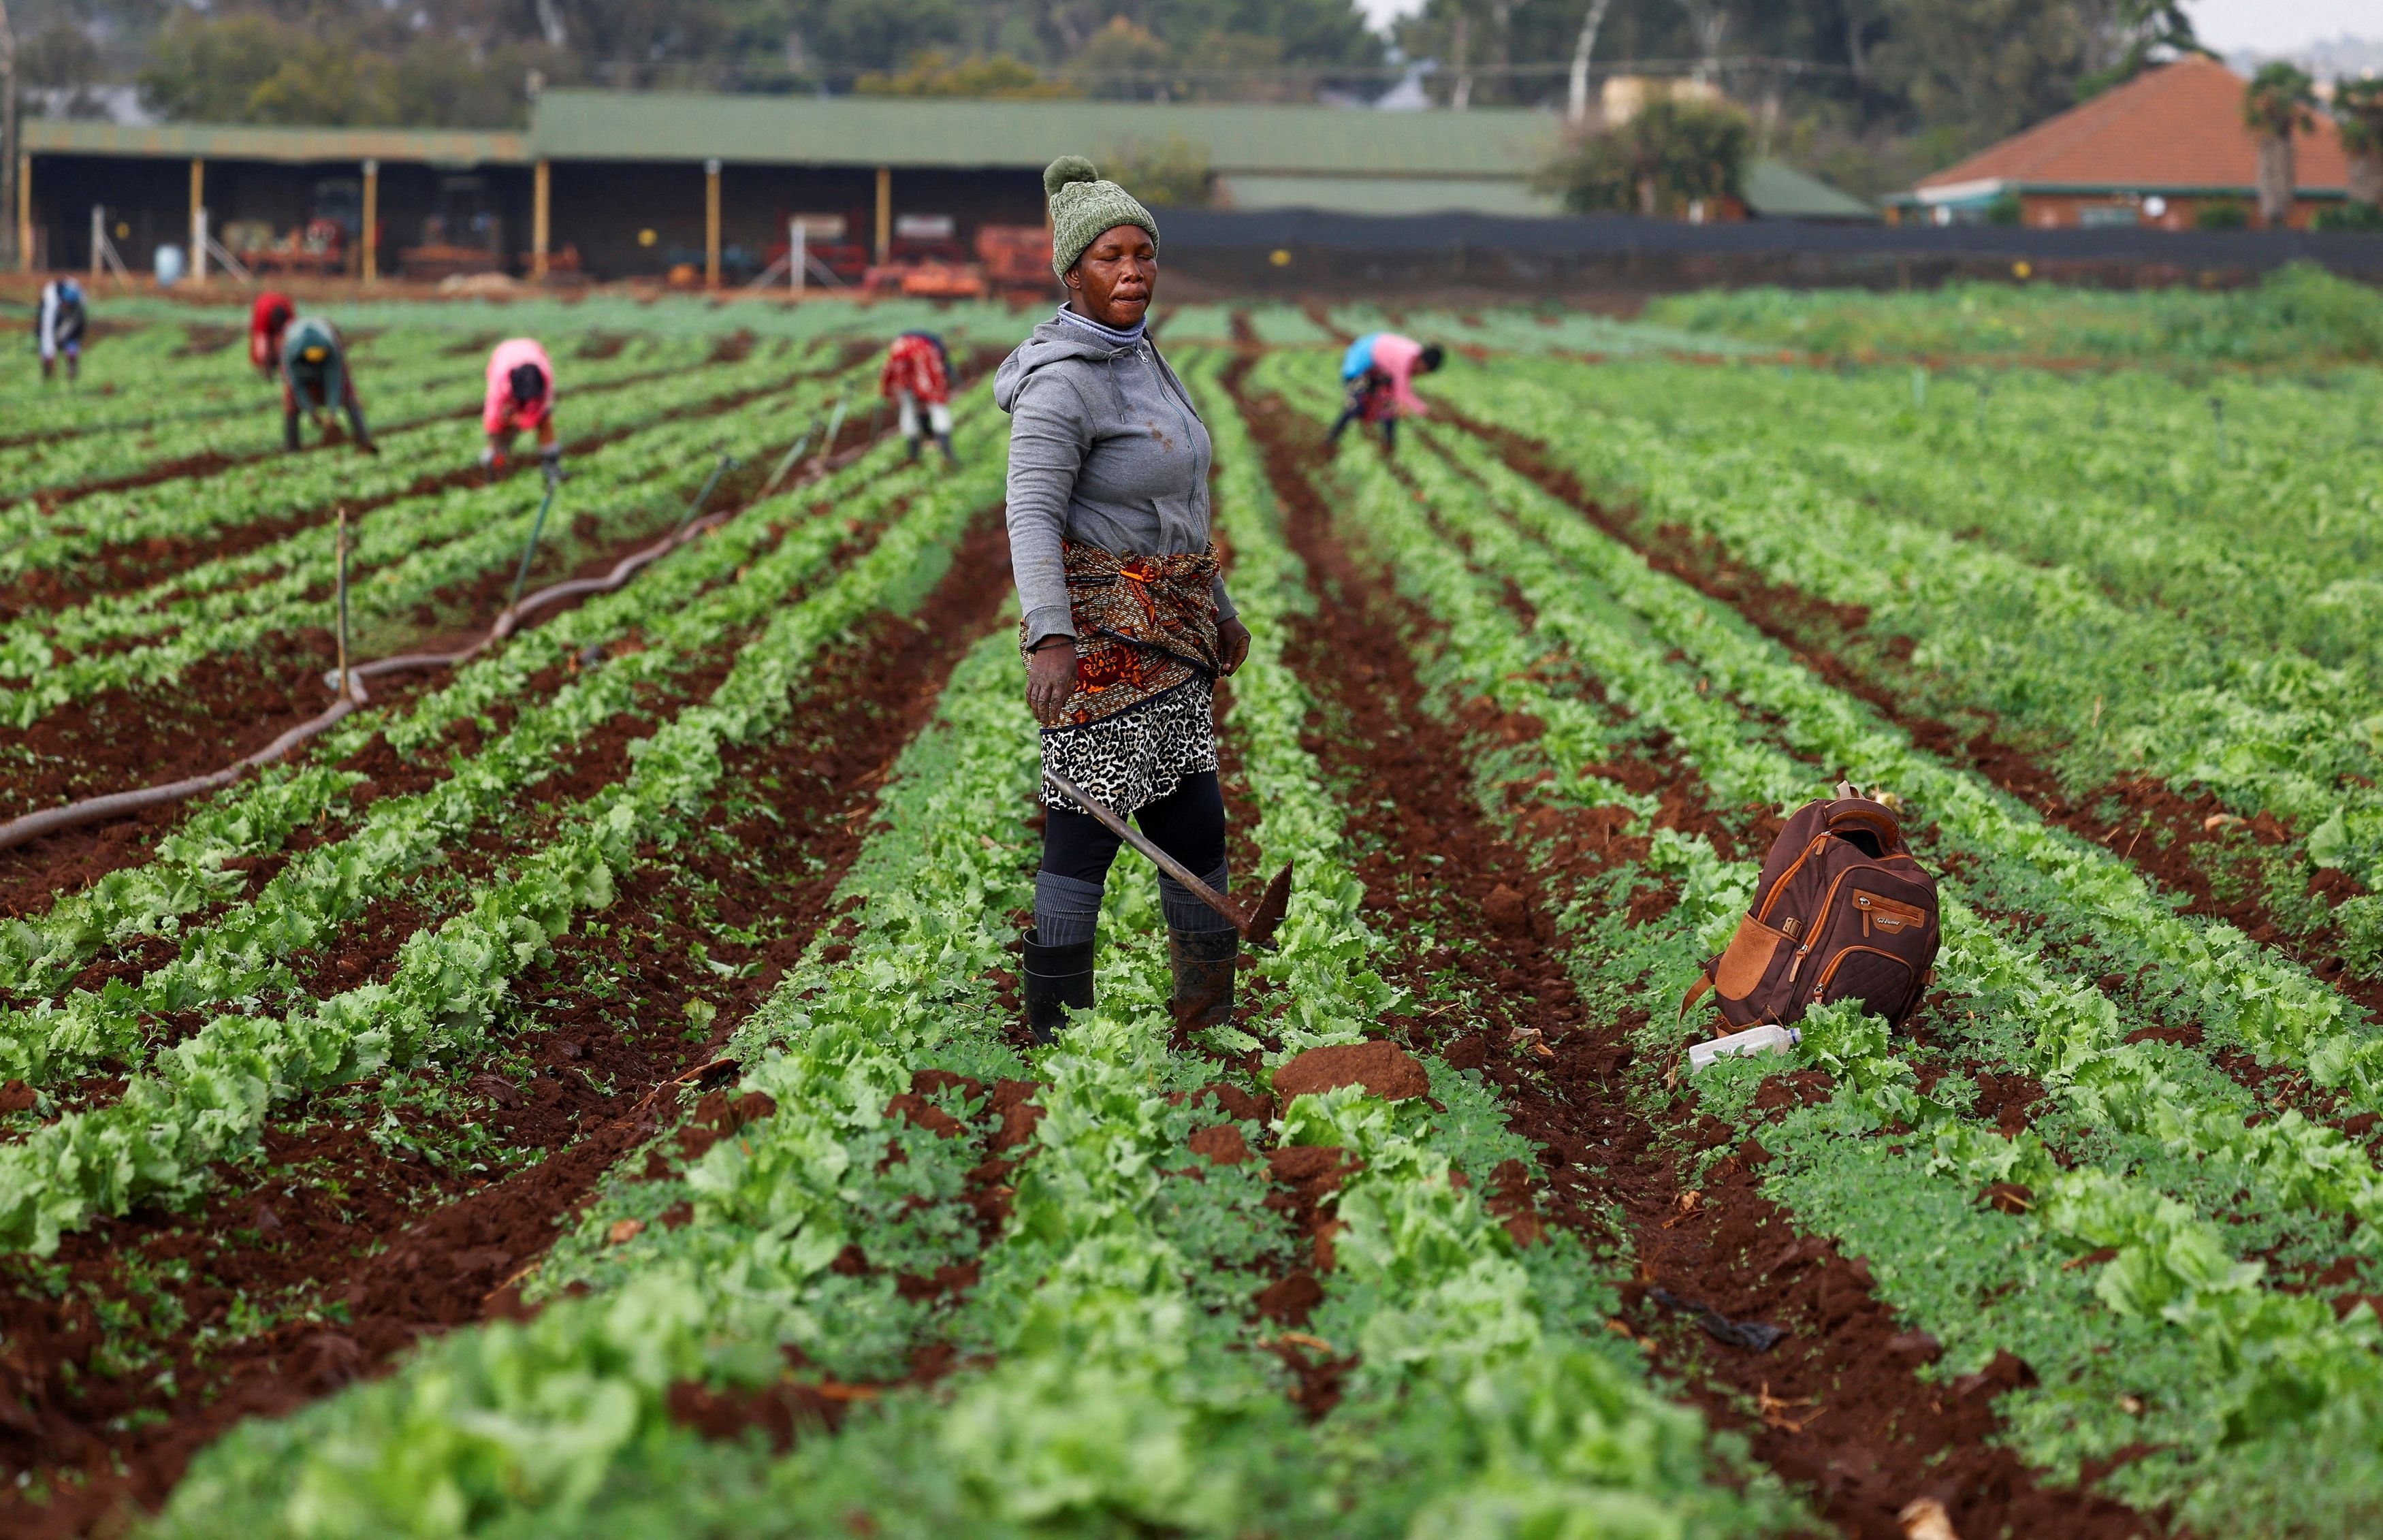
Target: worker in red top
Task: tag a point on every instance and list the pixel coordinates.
(917, 372)
(268, 319)
(520, 398)
(1378, 371)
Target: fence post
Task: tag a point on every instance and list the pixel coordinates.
(342, 539)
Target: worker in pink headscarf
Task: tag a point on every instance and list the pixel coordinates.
(1378, 371)
(521, 396)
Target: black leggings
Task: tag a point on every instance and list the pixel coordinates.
(1350, 414)
(1188, 823)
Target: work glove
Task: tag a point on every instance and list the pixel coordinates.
(551, 459)
(490, 458)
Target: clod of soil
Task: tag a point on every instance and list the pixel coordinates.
(1506, 912)
(1222, 1145)
(1383, 1068)
(1289, 1300)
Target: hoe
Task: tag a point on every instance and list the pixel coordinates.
(1256, 925)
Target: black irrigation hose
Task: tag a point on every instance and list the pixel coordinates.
(96, 810)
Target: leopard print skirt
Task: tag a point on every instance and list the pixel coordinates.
(1129, 760)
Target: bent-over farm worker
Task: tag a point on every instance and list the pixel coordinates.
(1378, 371)
(917, 373)
(520, 398)
(58, 329)
(1126, 623)
(268, 319)
(315, 378)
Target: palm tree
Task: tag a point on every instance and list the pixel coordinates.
(2358, 106)
(2281, 102)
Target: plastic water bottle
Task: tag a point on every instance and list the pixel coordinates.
(1765, 1039)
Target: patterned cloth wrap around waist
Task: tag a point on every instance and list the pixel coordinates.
(1144, 625)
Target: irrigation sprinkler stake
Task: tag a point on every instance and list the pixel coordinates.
(341, 549)
(2218, 413)
(727, 461)
(529, 552)
(834, 426)
(788, 462)
(1256, 925)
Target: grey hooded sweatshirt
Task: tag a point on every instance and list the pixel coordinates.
(1104, 450)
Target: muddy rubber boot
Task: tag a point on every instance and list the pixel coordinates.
(910, 456)
(1203, 961)
(1057, 980)
(950, 457)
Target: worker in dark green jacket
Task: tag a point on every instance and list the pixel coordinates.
(315, 378)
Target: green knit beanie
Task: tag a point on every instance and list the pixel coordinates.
(1082, 206)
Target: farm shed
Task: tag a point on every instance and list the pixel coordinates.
(466, 192)
(618, 184)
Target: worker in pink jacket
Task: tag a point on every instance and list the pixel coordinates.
(521, 396)
(1378, 371)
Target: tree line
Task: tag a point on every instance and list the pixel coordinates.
(1868, 93)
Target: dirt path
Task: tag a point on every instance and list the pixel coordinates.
(1886, 1437)
(599, 1080)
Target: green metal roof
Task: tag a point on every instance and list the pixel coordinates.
(249, 142)
(1506, 196)
(1337, 158)
(877, 130)
(1775, 190)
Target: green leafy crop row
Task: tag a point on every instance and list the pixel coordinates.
(403, 554)
(208, 1097)
(2249, 1362)
(1121, 1393)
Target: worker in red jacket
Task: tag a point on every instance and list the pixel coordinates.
(268, 319)
(917, 373)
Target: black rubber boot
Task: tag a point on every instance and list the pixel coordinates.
(1203, 961)
(1059, 980)
(950, 457)
(910, 456)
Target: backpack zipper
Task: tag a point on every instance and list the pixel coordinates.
(1818, 909)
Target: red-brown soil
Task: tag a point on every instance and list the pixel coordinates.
(453, 1244)
(1841, 1411)
(1383, 1068)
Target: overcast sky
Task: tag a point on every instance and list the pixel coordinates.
(2266, 25)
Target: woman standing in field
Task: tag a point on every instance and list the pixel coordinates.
(1126, 623)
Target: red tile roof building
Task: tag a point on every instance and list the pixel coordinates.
(2151, 151)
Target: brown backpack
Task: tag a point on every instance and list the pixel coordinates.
(1843, 912)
